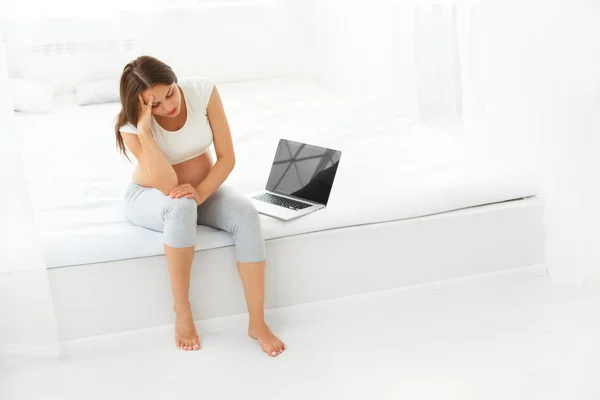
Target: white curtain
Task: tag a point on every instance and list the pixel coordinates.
(405, 54)
(539, 65)
(571, 138)
(523, 76)
(530, 90)
(437, 60)
(27, 321)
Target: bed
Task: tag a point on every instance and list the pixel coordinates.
(402, 186)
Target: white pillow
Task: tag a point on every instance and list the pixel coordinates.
(102, 91)
(31, 96)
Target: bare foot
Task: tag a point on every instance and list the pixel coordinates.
(186, 336)
(269, 342)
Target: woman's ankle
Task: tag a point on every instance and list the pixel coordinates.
(257, 320)
(183, 310)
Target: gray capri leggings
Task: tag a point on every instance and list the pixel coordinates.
(226, 209)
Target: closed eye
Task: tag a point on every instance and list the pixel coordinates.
(168, 96)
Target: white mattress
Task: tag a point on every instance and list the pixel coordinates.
(391, 169)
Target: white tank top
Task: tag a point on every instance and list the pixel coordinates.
(195, 137)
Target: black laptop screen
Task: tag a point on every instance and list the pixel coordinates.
(303, 170)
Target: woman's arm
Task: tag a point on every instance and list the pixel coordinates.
(161, 174)
(223, 147)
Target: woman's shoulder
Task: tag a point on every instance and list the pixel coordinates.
(202, 86)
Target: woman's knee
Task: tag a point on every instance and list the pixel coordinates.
(180, 217)
(241, 218)
(180, 209)
(246, 213)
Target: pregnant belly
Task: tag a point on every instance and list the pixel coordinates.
(192, 171)
(195, 170)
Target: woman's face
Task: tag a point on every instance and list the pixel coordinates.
(167, 99)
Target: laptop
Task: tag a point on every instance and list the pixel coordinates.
(300, 180)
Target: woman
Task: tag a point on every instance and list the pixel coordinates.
(169, 126)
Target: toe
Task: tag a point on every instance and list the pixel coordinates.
(270, 350)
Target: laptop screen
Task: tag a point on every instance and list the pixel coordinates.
(303, 170)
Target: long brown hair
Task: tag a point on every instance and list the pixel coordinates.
(138, 75)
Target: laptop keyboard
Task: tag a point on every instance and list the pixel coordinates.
(281, 201)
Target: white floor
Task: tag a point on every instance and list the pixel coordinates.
(509, 336)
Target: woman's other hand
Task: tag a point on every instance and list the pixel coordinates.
(188, 191)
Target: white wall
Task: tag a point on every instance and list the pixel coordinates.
(227, 41)
(360, 52)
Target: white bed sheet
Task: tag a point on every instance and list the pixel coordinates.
(391, 169)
